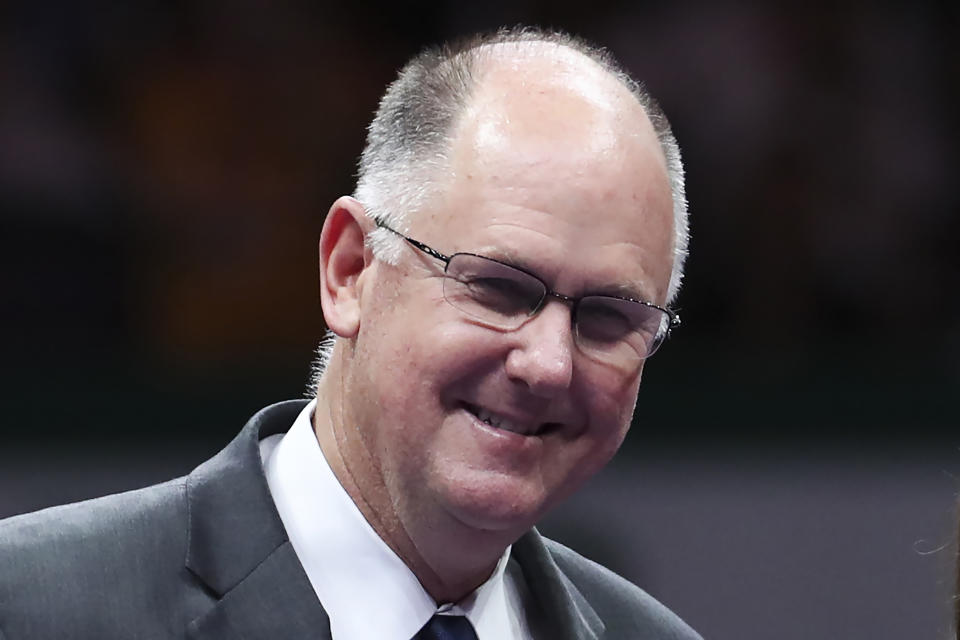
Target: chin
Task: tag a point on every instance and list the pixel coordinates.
(500, 507)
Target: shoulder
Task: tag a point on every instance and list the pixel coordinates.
(625, 608)
(112, 525)
(140, 564)
(59, 566)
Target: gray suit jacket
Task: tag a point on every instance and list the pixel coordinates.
(206, 556)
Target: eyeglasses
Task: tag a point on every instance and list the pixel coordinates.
(614, 329)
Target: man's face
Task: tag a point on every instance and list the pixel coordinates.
(567, 186)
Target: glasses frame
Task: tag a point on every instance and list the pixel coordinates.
(674, 317)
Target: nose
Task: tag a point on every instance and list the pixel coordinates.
(542, 357)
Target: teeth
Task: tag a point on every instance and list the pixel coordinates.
(499, 422)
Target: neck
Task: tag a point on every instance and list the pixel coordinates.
(448, 558)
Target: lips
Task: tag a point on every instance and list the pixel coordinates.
(498, 421)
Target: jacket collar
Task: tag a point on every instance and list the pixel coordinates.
(238, 547)
(559, 609)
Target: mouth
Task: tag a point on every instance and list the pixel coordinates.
(502, 423)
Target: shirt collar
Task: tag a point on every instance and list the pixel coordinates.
(365, 588)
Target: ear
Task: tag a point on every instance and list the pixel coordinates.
(343, 260)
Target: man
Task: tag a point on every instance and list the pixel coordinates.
(495, 288)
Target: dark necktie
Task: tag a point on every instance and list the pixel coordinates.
(447, 628)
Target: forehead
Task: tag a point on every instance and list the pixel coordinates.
(555, 167)
(535, 94)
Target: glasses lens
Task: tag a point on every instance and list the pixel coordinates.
(491, 291)
(618, 328)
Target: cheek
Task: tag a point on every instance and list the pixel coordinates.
(612, 400)
(394, 338)
(612, 394)
(416, 359)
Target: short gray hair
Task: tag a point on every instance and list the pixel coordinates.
(410, 136)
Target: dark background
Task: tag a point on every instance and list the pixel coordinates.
(164, 172)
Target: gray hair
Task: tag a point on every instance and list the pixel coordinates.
(409, 139)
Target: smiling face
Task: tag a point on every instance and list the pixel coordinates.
(554, 168)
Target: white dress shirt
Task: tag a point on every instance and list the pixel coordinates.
(365, 588)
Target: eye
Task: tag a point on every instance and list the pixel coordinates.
(503, 295)
(602, 322)
(606, 320)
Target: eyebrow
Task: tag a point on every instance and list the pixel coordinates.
(633, 290)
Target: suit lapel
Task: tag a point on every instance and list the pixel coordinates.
(275, 601)
(558, 610)
(238, 547)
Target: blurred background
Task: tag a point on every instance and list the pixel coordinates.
(792, 470)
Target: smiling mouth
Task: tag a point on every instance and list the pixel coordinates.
(504, 424)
